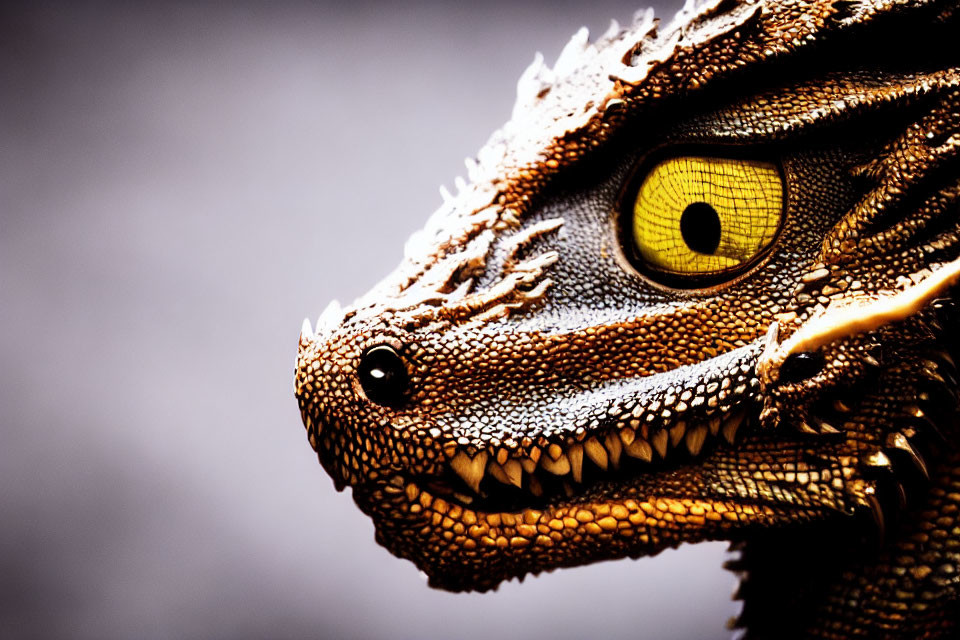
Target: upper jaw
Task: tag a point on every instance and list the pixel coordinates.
(509, 448)
(562, 440)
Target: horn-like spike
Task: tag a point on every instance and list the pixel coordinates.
(877, 512)
(331, 316)
(899, 442)
(826, 427)
(805, 427)
(306, 331)
(877, 460)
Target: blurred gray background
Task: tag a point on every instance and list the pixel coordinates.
(180, 184)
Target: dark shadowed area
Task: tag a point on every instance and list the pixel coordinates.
(180, 184)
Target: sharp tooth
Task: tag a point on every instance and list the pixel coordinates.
(614, 448)
(528, 465)
(695, 438)
(596, 452)
(470, 470)
(659, 442)
(502, 455)
(514, 472)
(731, 425)
(676, 433)
(554, 451)
(715, 425)
(465, 499)
(575, 455)
(627, 435)
(640, 448)
(568, 489)
(497, 472)
(533, 485)
(558, 467)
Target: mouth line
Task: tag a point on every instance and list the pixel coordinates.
(623, 430)
(566, 470)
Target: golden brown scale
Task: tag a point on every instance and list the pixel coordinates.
(523, 393)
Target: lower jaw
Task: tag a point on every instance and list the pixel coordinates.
(474, 547)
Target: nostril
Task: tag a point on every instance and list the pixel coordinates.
(383, 375)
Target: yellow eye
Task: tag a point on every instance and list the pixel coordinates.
(697, 216)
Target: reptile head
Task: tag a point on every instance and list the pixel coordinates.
(696, 287)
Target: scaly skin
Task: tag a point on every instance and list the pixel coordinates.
(562, 407)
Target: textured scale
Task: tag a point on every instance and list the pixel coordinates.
(518, 396)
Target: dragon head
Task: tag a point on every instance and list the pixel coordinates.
(696, 287)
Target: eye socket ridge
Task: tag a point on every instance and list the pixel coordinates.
(701, 217)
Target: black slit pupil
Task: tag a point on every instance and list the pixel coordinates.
(700, 227)
(383, 376)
